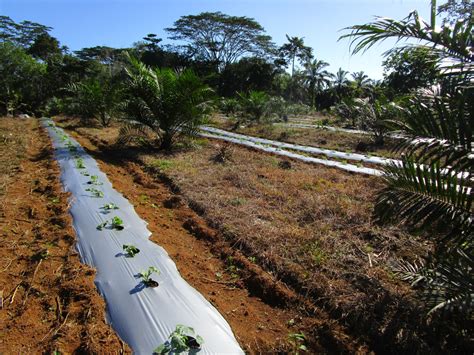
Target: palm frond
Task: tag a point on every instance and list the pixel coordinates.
(425, 196)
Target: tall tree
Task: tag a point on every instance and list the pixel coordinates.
(340, 82)
(294, 49)
(219, 38)
(22, 34)
(44, 47)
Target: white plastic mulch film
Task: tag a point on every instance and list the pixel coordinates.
(142, 316)
(278, 148)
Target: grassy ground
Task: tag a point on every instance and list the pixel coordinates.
(309, 226)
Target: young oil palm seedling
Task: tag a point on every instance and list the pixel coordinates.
(181, 340)
(131, 250)
(145, 275)
(163, 105)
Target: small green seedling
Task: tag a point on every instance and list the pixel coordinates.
(94, 180)
(117, 223)
(131, 250)
(146, 276)
(95, 192)
(109, 207)
(80, 163)
(297, 341)
(102, 225)
(182, 339)
(85, 173)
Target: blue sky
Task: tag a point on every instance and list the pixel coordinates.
(119, 23)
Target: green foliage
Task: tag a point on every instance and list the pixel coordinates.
(163, 104)
(21, 80)
(431, 188)
(146, 275)
(97, 97)
(410, 69)
(131, 250)
(220, 39)
(229, 106)
(115, 223)
(182, 339)
(295, 49)
(297, 342)
(255, 105)
(95, 192)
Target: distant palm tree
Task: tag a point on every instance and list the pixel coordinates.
(340, 82)
(361, 80)
(295, 48)
(316, 77)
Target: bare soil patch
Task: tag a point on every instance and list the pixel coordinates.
(48, 300)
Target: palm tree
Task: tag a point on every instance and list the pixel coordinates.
(431, 188)
(316, 78)
(340, 82)
(163, 104)
(361, 80)
(97, 98)
(295, 48)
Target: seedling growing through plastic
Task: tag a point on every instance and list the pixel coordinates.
(94, 180)
(131, 250)
(95, 192)
(109, 207)
(80, 163)
(102, 225)
(182, 339)
(85, 173)
(146, 276)
(117, 223)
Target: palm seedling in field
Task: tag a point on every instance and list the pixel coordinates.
(163, 105)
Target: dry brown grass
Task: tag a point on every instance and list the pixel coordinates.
(310, 226)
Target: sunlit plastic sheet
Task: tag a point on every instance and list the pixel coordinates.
(303, 148)
(335, 129)
(142, 317)
(276, 148)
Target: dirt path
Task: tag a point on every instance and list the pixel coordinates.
(222, 275)
(48, 300)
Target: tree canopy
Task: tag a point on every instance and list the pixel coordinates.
(219, 38)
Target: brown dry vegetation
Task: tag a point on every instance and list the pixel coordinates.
(310, 227)
(48, 300)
